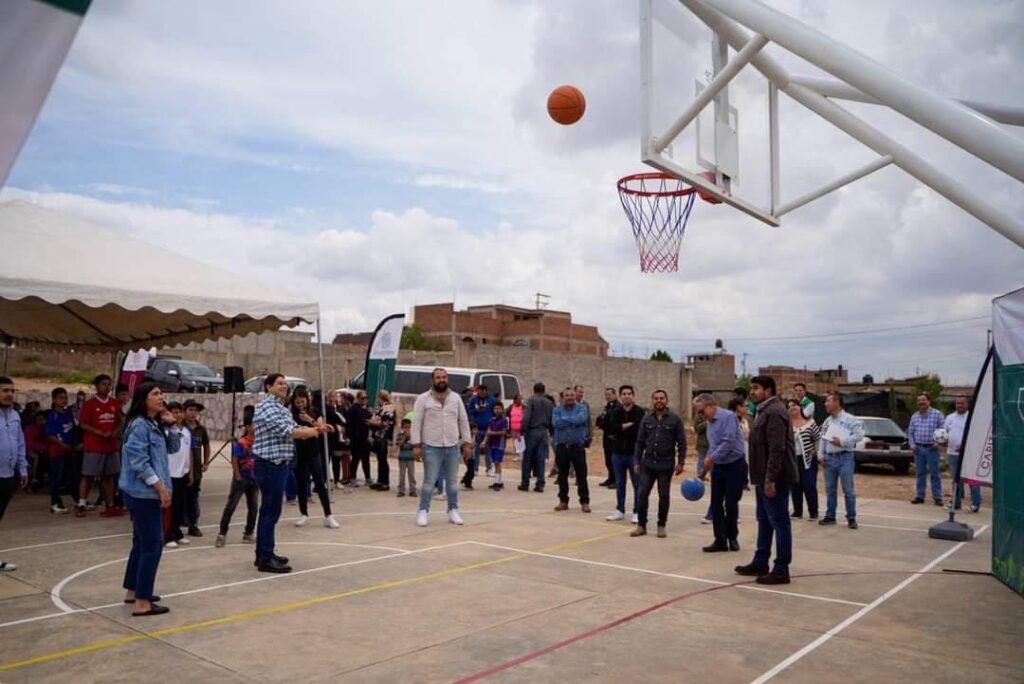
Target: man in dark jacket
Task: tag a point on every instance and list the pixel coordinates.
(611, 402)
(623, 427)
(536, 427)
(773, 470)
(660, 451)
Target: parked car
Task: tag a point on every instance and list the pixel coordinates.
(411, 381)
(255, 385)
(179, 375)
(884, 443)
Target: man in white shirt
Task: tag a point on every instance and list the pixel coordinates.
(178, 465)
(440, 426)
(840, 433)
(955, 425)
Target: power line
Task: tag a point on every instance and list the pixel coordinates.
(802, 336)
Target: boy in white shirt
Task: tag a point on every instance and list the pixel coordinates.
(179, 465)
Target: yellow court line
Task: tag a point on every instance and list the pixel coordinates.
(259, 612)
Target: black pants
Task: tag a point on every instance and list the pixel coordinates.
(727, 483)
(609, 451)
(251, 491)
(361, 456)
(307, 465)
(8, 485)
(573, 455)
(380, 448)
(192, 504)
(647, 479)
(179, 501)
(340, 466)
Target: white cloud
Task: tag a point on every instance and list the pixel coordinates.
(451, 96)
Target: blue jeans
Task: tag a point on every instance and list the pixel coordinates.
(474, 460)
(839, 468)
(147, 545)
(926, 460)
(954, 463)
(440, 460)
(622, 464)
(773, 522)
(271, 478)
(57, 480)
(535, 457)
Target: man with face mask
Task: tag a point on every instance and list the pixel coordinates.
(440, 426)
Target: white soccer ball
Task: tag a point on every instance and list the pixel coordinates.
(941, 436)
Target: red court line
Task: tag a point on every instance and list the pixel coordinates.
(508, 665)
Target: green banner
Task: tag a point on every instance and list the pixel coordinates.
(382, 356)
(1008, 486)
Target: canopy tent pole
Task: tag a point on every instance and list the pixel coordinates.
(324, 445)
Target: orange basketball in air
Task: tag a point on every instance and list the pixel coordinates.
(566, 104)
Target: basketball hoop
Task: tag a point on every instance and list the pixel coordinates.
(658, 206)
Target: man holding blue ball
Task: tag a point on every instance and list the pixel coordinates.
(728, 476)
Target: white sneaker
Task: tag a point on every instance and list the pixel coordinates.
(615, 517)
(490, 473)
(171, 545)
(453, 517)
(302, 521)
(329, 521)
(422, 518)
(7, 567)
(184, 541)
(636, 519)
(705, 521)
(58, 508)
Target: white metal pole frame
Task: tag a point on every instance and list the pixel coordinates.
(903, 157)
(869, 168)
(955, 122)
(325, 449)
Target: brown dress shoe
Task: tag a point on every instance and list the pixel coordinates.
(639, 531)
(562, 506)
(585, 507)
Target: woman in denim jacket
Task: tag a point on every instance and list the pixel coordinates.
(146, 485)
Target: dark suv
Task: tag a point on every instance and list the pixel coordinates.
(178, 375)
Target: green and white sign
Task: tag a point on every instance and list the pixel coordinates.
(1008, 441)
(383, 356)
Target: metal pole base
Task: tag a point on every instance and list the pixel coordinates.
(951, 530)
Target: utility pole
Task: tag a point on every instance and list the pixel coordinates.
(541, 300)
(743, 365)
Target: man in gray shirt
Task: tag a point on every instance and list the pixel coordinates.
(536, 427)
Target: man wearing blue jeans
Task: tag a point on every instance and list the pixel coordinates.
(921, 435)
(773, 471)
(537, 425)
(621, 426)
(840, 433)
(440, 427)
(956, 424)
(273, 451)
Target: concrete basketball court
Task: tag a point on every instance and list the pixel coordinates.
(518, 594)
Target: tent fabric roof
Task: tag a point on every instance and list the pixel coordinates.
(68, 282)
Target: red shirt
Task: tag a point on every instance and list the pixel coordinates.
(102, 415)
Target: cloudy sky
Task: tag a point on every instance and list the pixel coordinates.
(376, 155)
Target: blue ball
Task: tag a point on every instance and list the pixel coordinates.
(692, 489)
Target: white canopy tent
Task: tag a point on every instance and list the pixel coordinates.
(68, 282)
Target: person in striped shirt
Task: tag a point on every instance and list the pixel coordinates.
(921, 434)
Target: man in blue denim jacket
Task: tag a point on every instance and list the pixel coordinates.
(13, 466)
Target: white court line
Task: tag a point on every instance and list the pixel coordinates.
(645, 571)
(859, 614)
(410, 513)
(68, 610)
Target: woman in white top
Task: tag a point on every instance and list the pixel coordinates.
(806, 434)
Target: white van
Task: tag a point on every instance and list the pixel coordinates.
(411, 381)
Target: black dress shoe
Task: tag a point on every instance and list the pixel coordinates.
(195, 532)
(605, 483)
(715, 548)
(917, 500)
(523, 488)
(772, 578)
(827, 521)
(539, 490)
(275, 566)
(153, 610)
(734, 545)
(751, 570)
(280, 559)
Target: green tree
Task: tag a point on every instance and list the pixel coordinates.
(661, 355)
(744, 381)
(929, 385)
(413, 338)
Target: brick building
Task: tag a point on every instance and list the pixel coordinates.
(818, 382)
(509, 326)
(713, 371)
